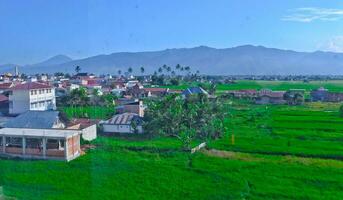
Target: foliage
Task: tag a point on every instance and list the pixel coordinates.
(77, 69)
(114, 168)
(78, 97)
(92, 112)
(195, 117)
(341, 110)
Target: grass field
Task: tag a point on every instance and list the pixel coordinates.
(280, 152)
(314, 129)
(93, 112)
(116, 171)
(332, 85)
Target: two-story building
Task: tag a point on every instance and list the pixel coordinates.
(31, 96)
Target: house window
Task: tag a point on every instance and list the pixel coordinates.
(35, 91)
(31, 92)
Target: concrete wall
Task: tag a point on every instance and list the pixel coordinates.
(19, 101)
(110, 128)
(22, 99)
(89, 133)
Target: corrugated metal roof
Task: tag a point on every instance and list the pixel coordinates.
(194, 90)
(123, 119)
(34, 119)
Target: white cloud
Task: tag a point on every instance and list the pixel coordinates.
(335, 44)
(311, 14)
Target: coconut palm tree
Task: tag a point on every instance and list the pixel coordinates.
(142, 70)
(130, 70)
(77, 69)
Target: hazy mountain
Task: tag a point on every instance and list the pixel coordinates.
(56, 60)
(246, 59)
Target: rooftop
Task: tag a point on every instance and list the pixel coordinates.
(122, 119)
(53, 133)
(34, 119)
(31, 85)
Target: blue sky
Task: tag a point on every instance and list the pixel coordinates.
(34, 30)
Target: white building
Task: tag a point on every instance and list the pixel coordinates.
(31, 96)
(123, 123)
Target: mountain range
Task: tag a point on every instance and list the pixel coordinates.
(241, 60)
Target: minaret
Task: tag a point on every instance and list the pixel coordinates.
(16, 71)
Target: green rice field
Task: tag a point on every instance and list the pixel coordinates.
(278, 152)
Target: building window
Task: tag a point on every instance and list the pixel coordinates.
(35, 91)
(31, 92)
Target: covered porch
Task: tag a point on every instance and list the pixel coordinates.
(42, 144)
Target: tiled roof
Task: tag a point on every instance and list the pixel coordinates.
(3, 98)
(34, 119)
(6, 85)
(30, 86)
(156, 89)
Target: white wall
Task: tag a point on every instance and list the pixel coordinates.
(89, 133)
(110, 128)
(22, 100)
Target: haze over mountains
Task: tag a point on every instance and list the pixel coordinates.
(242, 60)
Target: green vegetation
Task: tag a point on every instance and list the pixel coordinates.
(92, 112)
(131, 168)
(277, 152)
(335, 86)
(312, 130)
(196, 117)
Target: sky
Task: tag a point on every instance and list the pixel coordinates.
(34, 30)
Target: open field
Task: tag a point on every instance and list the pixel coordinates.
(116, 171)
(314, 129)
(280, 152)
(332, 85)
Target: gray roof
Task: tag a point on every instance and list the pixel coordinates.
(124, 119)
(194, 90)
(34, 119)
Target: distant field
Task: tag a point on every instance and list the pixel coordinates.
(314, 129)
(284, 85)
(276, 85)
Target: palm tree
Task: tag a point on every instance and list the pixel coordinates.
(142, 70)
(119, 72)
(130, 70)
(77, 69)
(187, 68)
(168, 69)
(160, 70)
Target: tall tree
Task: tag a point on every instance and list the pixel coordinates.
(160, 70)
(77, 69)
(119, 72)
(190, 118)
(130, 70)
(142, 70)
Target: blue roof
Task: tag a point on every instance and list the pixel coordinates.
(194, 90)
(34, 119)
